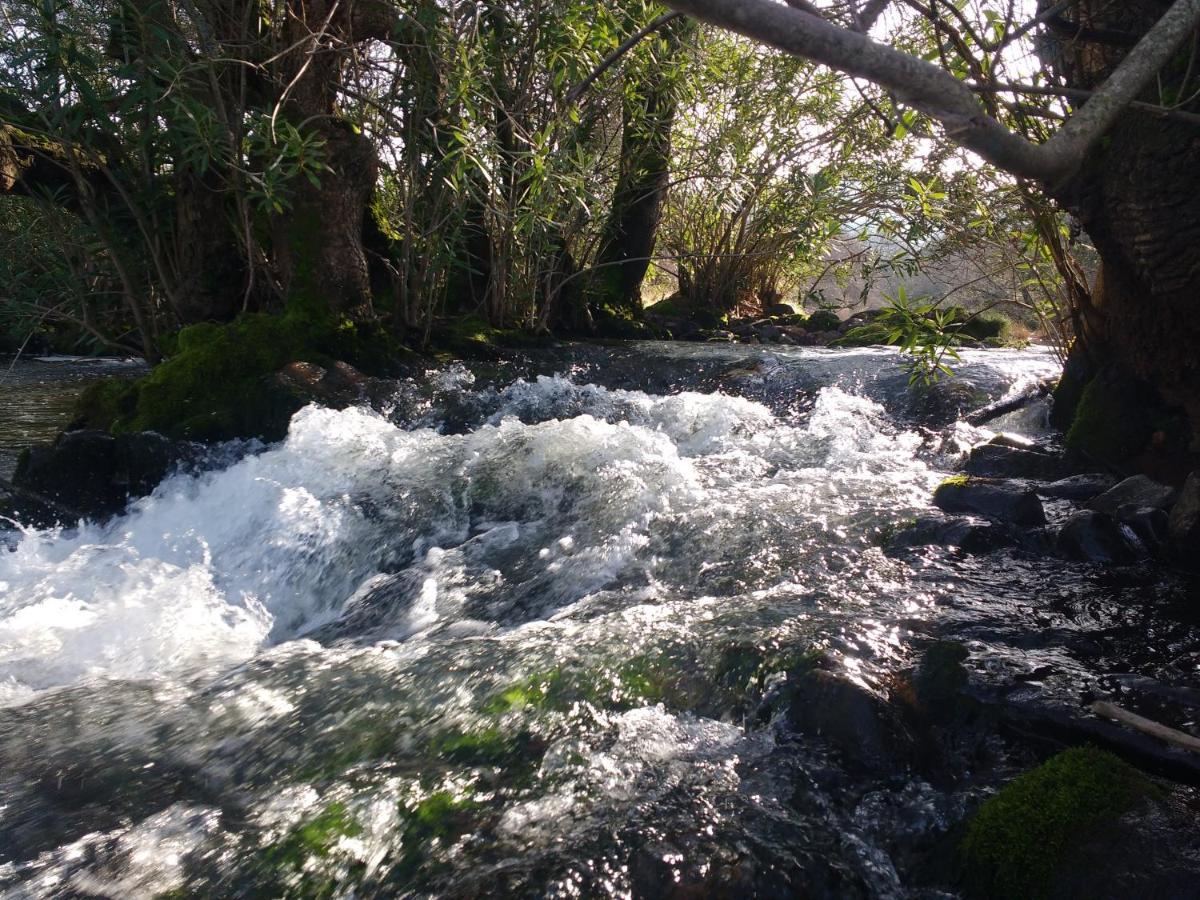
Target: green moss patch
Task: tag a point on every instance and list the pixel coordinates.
(1025, 835)
(1111, 422)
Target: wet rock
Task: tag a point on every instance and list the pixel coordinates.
(338, 386)
(1097, 537)
(1149, 524)
(999, 461)
(1016, 441)
(944, 402)
(97, 474)
(939, 681)
(1078, 487)
(1083, 824)
(1000, 501)
(970, 534)
(1184, 522)
(779, 309)
(1138, 491)
(865, 728)
(770, 332)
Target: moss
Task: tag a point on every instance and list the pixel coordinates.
(1111, 422)
(288, 866)
(824, 320)
(439, 816)
(542, 690)
(1024, 836)
(216, 385)
(953, 481)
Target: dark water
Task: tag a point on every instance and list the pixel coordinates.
(38, 394)
(518, 634)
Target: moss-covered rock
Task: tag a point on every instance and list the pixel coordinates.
(217, 382)
(823, 320)
(1023, 839)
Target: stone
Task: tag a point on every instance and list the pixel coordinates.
(1092, 536)
(1150, 524)
(1137, 490)
(864, 727)
(999, 501)
(770, 332)
(970, 534)
(1000, 461)
(97, 474)
(778, 309)
(1015, 441)
(1183, 527)
(1077, 487)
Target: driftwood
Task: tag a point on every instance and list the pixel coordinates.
(999, 408)
(62, 511)
(1146, 726)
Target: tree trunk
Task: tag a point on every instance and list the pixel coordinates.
(627, 245)
(1138, 197)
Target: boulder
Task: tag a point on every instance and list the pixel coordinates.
(1016, 441)
(865, 728)
(1138, 491)
(970, 534)
(778, 309)
(96, 474)
(1078, 487)
(1184, 523)
(999, 501)
(1001, 461)
(1149, 524)
(770, 332)
(1093, 536)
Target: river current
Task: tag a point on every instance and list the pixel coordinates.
(508, 635)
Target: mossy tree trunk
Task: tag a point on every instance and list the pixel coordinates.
(1138, 197)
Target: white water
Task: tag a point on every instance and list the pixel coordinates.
(306, 626)
(212, 567)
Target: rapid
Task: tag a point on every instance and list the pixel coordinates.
(517, 632)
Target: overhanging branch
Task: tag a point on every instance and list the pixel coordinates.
(940, 95)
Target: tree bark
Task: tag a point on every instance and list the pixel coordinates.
(647, 118)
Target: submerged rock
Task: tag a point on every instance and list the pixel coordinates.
(1001, 501)
(1138, 491)
(970, 534)
(1077, 487)
(1097, 537)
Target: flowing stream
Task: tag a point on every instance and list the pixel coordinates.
(511, 635)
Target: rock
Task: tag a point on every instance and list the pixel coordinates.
(96, 473)
(1015, 441)
(1098, 537)
(996, 500)
(970, 534)
(779, 309)
(1077, 487)
(1184, 523)
(338, 386)
(1149, 524)
(865, 728)
(1000, 461)
(940, 679)
(770, 332)
(824, 320)
(1139, 491)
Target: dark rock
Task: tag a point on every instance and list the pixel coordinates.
(770, 332)
(1184, 523)
(865, 728)
(1016, 441)
(944, 402)
(998, 461)
(997, 500)
(338, 386)
(1098, 537)
(940, 679)
(824, 320)
(96, 473)
(1149, 524)
(1078, 487)
(1139, 491)
(972, 535)
(779, 309)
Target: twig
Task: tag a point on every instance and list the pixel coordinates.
(626, 45)
(1146, 726)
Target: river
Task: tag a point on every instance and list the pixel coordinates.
(517, 634)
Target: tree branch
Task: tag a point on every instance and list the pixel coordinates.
(626, 45)
(938, 94)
